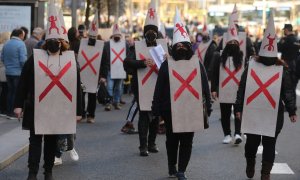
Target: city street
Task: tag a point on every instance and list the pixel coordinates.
(106, 153)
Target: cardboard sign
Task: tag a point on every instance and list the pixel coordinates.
(55, 93)
(147, 76)
(89, 59)
(186, 89)
(117, 57)
(262, 99)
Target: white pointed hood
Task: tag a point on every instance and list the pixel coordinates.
(63, 26)
(180, 33)
(53, 23)
(116, 30)
(232, 32)
(268, 46)
(152, 17)
(93, 30)
(235, 15)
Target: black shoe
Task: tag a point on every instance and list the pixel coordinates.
(31, 176)
(172, 172)
(153, 149)
(181, 176)
(48, 176)
(144, 152)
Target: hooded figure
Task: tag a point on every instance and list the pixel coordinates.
(227, 70)
(141, 66)
(170, 99)
(263, 111)
(38, 90)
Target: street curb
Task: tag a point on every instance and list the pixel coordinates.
(10, 159)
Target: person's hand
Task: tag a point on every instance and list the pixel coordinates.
(214, 95)
(238, 115)
(78, 118)
(149, 62)
(18, 112)
(102, 80)
(166, 56)
(293, 118)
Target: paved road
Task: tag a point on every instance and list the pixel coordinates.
(106, 153)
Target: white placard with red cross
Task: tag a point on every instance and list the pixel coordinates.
(261, 99)
(55, 95)
(201, 51)
(186, 95)
(147, 76)
(89, 59)
(242, 39)
(229, 81)
(117, 57)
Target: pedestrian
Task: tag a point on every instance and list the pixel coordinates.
(35, 37)
(224, 86)
(289, 51)
(114, 52)
(4, 37)
(262, 117)
(143, 69)
(48, 111)
(89, 58)
(170, 102)
(14, 55)
(206, 50)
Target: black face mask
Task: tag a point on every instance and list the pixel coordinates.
(150, 36)
(180, 54)
(205, 38)
(53, 46)
(232, 49)
(117, 39)
(91, 42)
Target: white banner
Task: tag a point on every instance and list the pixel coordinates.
(89, 59)
(55, 93)
(261, 99)
(186, 89)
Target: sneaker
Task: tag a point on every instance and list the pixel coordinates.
(144, 151)
(153, 148)
(122, 102)
(117, 106)
(237, 139)
(181, 176)
(125, 128)
(172, 172)
(131, 129)
(57, 161)
(108, 107)
(3, 115)
(227, 139)
(11, 117)
(90, 120)
(73, 154)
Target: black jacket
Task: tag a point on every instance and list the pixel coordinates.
(161, 104)
(105, 62)
(131, 65)
(208, 59)
(287, 97)
(289, 50)
(25, 94)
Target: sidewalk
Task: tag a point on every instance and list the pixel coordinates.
(13, 141)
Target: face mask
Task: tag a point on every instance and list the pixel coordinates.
(205, 38)
(180, 54)
(53, 46)
(91, 42)
(232, 49)
(150, 36)
(117, 39)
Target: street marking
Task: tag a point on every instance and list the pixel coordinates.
(281, 168)
(260, 150)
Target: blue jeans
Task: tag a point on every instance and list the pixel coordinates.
(12, 84)
(114, 88)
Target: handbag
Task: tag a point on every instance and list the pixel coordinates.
(102, 95)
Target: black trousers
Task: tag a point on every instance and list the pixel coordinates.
(91, 105)
(183, 141)
(3, 97)
(269, 143)
(35, 151)
(225, 119)
(147, 124)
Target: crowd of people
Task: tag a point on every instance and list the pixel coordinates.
(35, 74)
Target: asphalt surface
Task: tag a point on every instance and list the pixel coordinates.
(106, 153)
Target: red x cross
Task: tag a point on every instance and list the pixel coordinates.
(231, 75)
(185, 84)
(241, 42)
(153, 68)
(118, 55)
(55, 81)
(200, 53)
(89, 62)
(263, 88)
